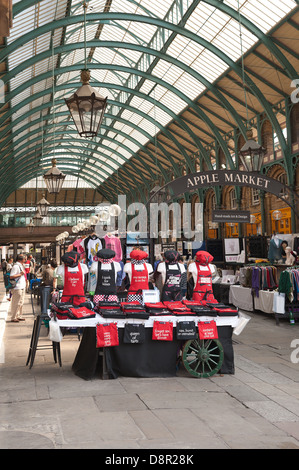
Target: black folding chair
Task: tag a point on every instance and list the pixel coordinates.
(45, 293)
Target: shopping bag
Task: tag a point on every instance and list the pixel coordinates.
(134, 333)
(278, 302)
(54, 331)
(186, 330)
(207, 330)
(107, 335)
(162, 331)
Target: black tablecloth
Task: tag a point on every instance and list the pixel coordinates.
(150, 359)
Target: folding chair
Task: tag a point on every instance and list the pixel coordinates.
(38, 319)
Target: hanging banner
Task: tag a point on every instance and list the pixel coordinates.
(223, 178)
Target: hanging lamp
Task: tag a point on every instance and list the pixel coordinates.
(43, 206)
(54, 178)
(86, 105)
(252, 154)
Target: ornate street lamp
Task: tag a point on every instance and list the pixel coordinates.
(252, 154)
(43, 206)
(37, 219)
(54, 178)
(30, 226)
(86, 105)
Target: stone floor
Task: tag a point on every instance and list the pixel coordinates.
(48, 407)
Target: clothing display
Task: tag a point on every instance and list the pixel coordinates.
(91, 245)
(259, 278)
(275, 251)
(105, 271)
(289, 284)
(202, 276)
(113, 243)
(138, 272)
(171, 271)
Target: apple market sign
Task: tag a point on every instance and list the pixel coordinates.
(195, 181)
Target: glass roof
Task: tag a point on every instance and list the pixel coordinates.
(150, 73)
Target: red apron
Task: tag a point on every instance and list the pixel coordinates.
(203, 290)
(139, 281)
(73, 290)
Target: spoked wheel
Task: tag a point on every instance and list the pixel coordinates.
(202, 357)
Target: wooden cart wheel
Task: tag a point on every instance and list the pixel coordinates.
(202, 358)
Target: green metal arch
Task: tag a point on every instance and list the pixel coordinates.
(32, 152)
(146, 50)
(142, 131)
(178, 30)
(163, 24)
(166, 132)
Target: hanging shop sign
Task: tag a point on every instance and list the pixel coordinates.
(195, 181)
(232, 216)
(223, 178)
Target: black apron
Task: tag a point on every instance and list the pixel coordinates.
(106, 284)
(172, 286)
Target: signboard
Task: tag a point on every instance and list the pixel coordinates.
(233, 216)
(223, 178)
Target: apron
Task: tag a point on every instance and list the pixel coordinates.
(106, 285)
(73, 290)
(203, 290)
(172, 286)
(139, 282)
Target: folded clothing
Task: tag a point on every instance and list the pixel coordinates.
(177, 306)
(158, 311)
(106, 304)
(113, 313)
(65, 310)
(80, 313)
(140, 314)
(136, 306)
(156, 306)
(226, 312)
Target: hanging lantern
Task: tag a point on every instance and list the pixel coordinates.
(37, 219)
(43, 206)
(252, 219)
(54, 178)
(87, 107)
(276, 215)
(30, 226)
(252, 154)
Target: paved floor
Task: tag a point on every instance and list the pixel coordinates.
(48, 407)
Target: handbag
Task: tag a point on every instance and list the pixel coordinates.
(186, 330)
(279, 302)
(134, 333)
(106, 335)
(207, 330)
(162, 331)
(54, 331)
(8, 282)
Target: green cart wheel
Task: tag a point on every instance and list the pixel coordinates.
(202, 358)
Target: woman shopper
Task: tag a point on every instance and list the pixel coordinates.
(18, 292)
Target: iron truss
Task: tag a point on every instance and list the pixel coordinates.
(183, 79)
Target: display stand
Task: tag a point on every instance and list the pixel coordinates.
(150, 359)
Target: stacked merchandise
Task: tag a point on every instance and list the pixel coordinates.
(110, 309)
(66, 310)
(134, 310)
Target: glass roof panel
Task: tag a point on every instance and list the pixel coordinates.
(207, 22)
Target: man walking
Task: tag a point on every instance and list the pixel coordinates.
(18, 292)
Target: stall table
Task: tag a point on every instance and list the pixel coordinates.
(150, 359)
